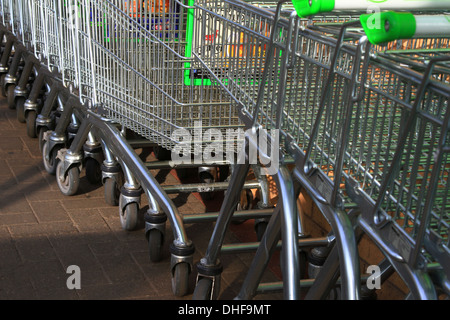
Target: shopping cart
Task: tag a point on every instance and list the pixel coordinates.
(367, 157)
(137, 81)
(313, 132)
(243, 80)
(406, 208)
(398, 173)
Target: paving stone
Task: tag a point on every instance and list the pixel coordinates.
(49, 211)
(33, 249)
(88, 220)
(118, 291)
(11, 219)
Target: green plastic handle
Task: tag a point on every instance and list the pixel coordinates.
(388, 26)
(305, 8)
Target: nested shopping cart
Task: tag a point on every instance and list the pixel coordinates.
(254, 85)
(136, 74)
(393, 159)
(319, 83)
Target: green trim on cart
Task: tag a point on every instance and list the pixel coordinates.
(307, 8)
(388, 26)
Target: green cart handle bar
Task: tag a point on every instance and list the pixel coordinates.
(305, 8)
(388, 26)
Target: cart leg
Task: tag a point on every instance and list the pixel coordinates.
(44, 121)
(56, 140)
(155, 228)
(129, 200)
(93, 156)
(21, 90)
(289, 233)
(346, 244)
(209, 267)
(69, 167)
(11, 77)
(31, 106)
(112, 177)
(4, 61)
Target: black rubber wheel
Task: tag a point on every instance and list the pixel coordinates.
(180, 279)
(203, 289)
(155, 243)
(50, 161)
(10, 96)
(67, 183)
(112, 192)
(93, 171)
(129, 216)
(31, 123)
(20, 111)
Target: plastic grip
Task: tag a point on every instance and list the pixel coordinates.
(388, 26)
(305, 8)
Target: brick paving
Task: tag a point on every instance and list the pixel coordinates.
(42, 232)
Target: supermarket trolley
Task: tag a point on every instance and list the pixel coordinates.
(137, 76)
(244, 81)
(367, 157)
(406, 208)
(376, 160)
(320, 164)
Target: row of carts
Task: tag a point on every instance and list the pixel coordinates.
(345, 101)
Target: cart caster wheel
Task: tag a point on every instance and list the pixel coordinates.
(69, 183)
(50, 162)
(93, 171)
(31, 123)
(41, 141)
(155, 242)
(112, 192)
(180, 279)
(129, 216)
(10, 96)
(20, 111)
(203, 289)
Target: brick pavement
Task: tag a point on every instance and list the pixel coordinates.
(43, 232)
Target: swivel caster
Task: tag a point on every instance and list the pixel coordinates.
(180, 279)
(111, 192)
(68, 182)
(129, 216)
(49, 159)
